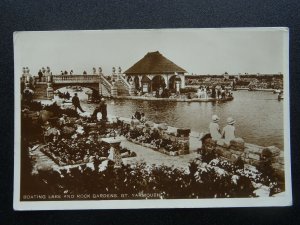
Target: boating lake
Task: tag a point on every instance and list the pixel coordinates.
(258, 114)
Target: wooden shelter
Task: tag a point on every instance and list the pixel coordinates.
(154, 71)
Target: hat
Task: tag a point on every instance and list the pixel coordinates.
(230, 120)
(215, 118)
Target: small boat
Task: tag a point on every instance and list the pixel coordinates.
(276, 91)
(78, 89)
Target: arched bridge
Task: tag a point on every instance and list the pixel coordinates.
(54, 82)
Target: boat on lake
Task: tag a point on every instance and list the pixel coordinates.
(276, 91)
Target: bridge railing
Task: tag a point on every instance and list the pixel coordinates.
(105, 83)
(75, 78)
(124, 82)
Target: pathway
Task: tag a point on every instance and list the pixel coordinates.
(149, 156)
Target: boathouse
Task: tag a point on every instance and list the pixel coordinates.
(154, 72)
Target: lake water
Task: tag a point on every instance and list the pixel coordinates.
(258, 115)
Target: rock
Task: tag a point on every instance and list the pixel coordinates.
(239, 153)
(221, 142)
(125, 154)
(275, 151)
(254, 149)
(162, 126)
(253, 156)
(254, 162)
(226, 154)
(149, 124)
(278, 159)
(278, 166)
(135, 122)
(237, 148)
(171, 153)
(239, 142)
(182, 138)
(139, 127)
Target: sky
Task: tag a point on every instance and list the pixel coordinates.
(198, 51)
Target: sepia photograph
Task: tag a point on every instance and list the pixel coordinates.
(160, 118)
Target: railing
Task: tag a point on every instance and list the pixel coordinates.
(76, 78)
(105, 83)
(124, 82)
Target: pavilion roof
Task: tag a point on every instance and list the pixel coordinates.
(154, 63)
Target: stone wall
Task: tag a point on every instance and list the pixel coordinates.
(251, 154)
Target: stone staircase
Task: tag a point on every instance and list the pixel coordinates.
(40, 90)
(104, 91)
(106, 87)
(121, 89)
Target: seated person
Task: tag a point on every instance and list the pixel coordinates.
(229, 130)
(143, 118)
(137, 115)
(214, 128)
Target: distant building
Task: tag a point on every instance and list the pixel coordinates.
(154, 71)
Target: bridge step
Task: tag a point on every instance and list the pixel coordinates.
(104, 91)
(122, 89)
(40, 91)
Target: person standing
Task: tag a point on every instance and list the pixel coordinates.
(40, 75)
(214, 128)
(103, 108)
(213, 92)
(76, 103)
(229, 130)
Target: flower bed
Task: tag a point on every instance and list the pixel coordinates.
(78, 151)
(214, 179)
(172, 144)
